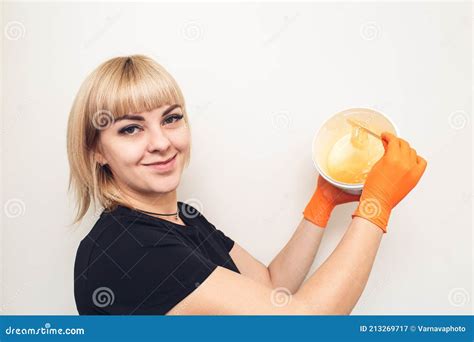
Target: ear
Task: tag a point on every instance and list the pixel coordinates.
(98, 157)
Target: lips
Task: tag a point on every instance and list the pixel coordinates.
(163, 167)
(163, 162)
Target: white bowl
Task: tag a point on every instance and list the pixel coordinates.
(335, 128)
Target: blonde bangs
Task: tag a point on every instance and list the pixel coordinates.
(133, 85)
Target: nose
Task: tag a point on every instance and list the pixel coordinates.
(157, 140)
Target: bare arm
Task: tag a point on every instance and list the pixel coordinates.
(333, 289)
(290, 267)
(338, 283)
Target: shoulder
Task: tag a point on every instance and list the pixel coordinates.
(118, 234)
(207, 228)
(194, 214)
(118, 227)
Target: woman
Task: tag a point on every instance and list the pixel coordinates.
(129, 141)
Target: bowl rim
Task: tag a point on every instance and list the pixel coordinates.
(343, 185)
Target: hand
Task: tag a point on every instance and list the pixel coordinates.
(389, 180)
(323, 201)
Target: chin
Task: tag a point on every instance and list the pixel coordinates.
(167, 185)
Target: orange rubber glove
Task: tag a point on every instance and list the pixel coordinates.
(389, 180)
(323, 201)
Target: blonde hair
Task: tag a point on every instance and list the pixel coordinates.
(121, 85)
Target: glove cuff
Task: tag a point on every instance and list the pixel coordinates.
(374, 211)
(318, 210)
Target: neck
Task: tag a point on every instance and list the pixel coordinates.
(164, 203)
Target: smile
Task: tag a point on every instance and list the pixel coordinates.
(164, 167)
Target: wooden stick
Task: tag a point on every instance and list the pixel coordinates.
(357, 123)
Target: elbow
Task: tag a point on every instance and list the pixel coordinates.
(274, 284)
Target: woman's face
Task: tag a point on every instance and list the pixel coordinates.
(132, 145)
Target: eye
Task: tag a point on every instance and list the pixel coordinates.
(173, 118)
(129, 130)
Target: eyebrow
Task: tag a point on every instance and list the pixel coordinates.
(141, 118)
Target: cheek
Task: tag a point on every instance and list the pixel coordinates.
(120, 152)
(126, 154)
(181, 140)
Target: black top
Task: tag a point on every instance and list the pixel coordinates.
(132, 263)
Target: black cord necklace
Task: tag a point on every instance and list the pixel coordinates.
(149, 212)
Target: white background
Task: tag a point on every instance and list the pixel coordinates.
(259, 80)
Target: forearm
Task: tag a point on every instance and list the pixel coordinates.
(337, 284)
(290, 267)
